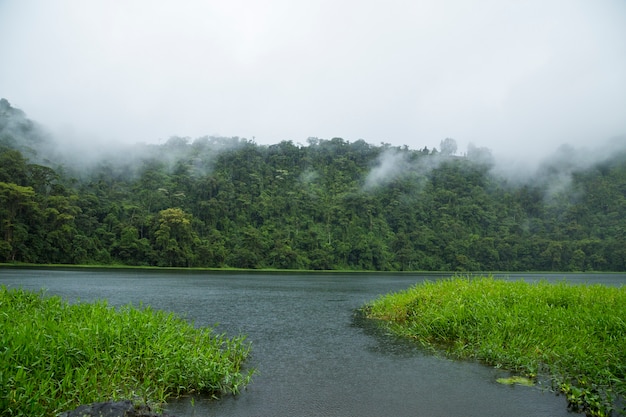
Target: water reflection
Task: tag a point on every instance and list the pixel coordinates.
(384, 341)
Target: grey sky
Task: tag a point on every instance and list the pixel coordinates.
(518, 77)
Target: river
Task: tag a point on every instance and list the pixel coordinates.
(314, 355)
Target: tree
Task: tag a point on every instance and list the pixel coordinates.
(174, 238)
(130, 249)
(13, 167)
(17, 203)
(60, 228)
(448, 146)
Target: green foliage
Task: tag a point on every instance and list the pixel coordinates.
(56, 356)
(576, 335)
(228, 202)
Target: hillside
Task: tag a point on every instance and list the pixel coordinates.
(329, 204)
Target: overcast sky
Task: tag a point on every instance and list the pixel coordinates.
(518, 77)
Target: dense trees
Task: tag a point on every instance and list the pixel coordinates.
(331, 204)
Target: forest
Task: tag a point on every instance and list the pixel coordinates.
(328, 205)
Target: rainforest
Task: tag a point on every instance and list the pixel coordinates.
(329, 204)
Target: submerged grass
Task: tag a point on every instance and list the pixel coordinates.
(55, 356)
(574, 335)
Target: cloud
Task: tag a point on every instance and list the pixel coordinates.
(520, 78)
(390, 165)
(401, 163)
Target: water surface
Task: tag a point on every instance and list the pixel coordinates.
(314, 355)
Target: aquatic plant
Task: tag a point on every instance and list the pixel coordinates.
(573, 335)
(55, 355)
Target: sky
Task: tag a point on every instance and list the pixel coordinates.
(518, 77)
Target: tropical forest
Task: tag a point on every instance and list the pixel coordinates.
(328, 204)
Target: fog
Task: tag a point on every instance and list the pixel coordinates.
(390, 165)
(553, 171)
(518, 78)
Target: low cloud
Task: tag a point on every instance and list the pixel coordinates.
(390, 165)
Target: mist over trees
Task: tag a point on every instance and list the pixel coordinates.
(329, 204)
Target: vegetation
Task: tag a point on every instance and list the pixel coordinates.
(574, 335)
(332, 204)
(56, 356)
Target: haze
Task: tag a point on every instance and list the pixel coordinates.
(519, 78)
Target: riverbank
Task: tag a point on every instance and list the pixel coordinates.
(26, 265)
(57, 356)
(575, 335)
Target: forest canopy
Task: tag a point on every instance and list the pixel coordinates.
(330, 204)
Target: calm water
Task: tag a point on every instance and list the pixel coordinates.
(314, 355)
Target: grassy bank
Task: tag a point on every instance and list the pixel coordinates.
(55, 356)
(574, 335)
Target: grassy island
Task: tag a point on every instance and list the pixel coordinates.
(55, 356)
(572, 335)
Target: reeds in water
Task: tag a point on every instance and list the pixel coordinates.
(55, 356)
(575, 335)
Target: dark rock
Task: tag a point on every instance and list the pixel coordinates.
(112, 409)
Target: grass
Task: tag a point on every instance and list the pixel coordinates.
(573, 335)
(55, 356)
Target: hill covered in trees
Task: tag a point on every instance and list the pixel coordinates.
(329, 204)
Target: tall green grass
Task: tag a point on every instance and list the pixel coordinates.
(573, 335)
(55, 356)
